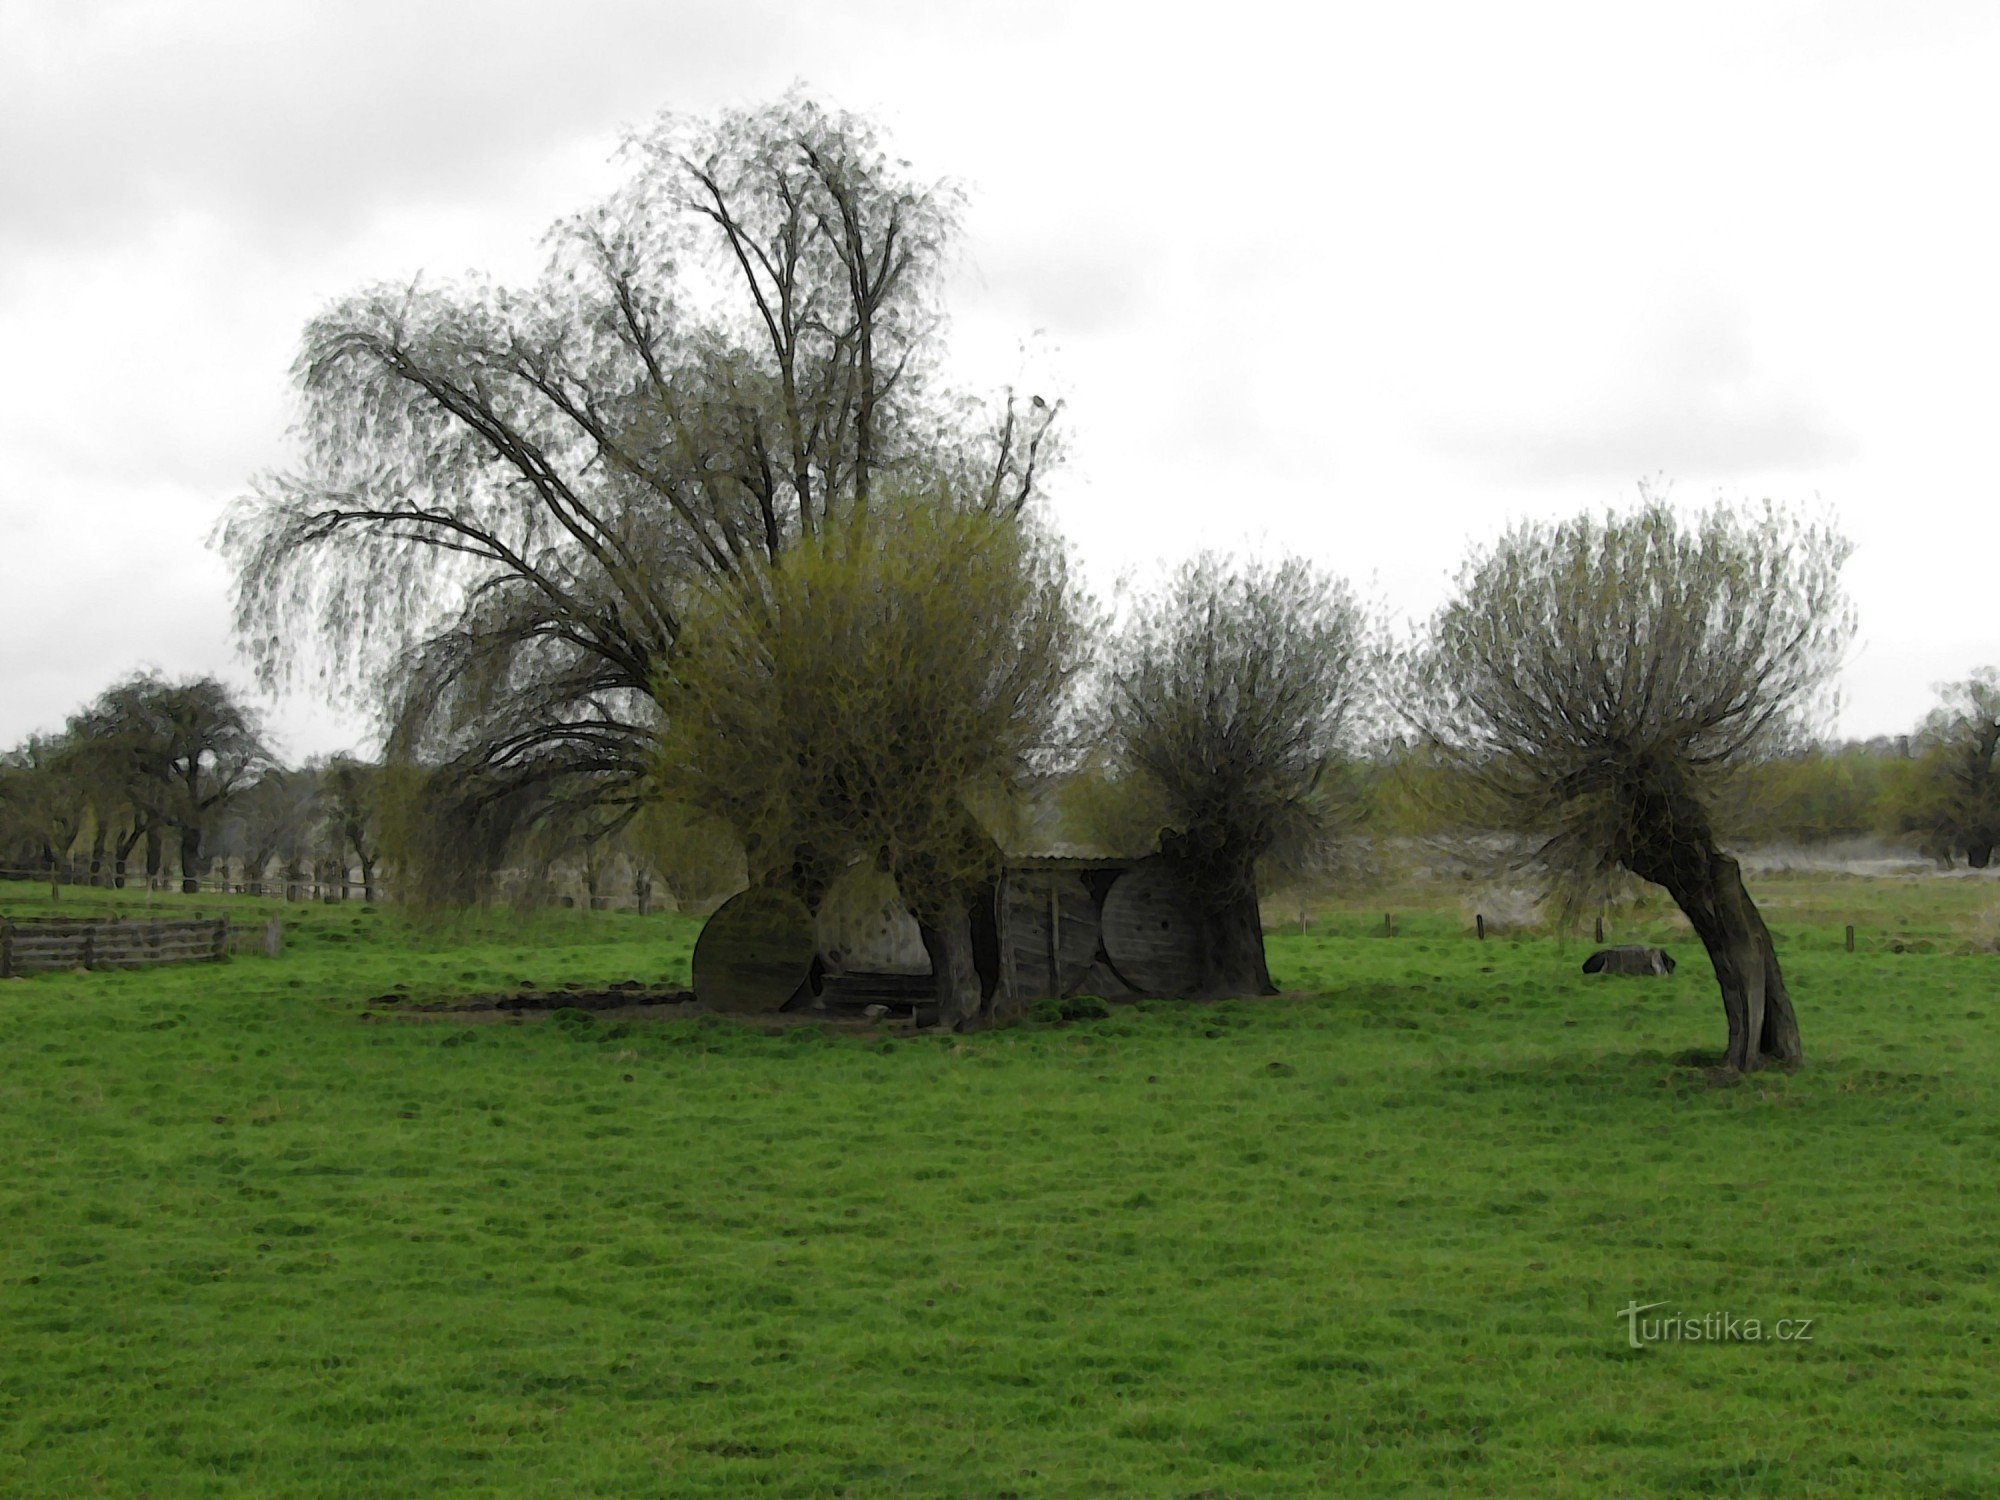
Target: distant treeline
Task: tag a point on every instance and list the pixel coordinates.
(1935, 790)
(157, 782)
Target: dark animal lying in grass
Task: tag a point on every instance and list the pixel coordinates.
(1629, 958)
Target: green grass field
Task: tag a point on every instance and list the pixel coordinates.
(266, 1236)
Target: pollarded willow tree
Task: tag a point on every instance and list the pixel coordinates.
(1596, 680)
(1231, 697)
(876, 696)
(505, 495)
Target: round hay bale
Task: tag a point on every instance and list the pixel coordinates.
(1150, 932)
(754, 952)
(864, 926)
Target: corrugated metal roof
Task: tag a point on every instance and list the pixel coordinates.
(1067, 856)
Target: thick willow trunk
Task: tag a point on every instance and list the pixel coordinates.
(1708, 887)
(948, 942)
(1233, 965)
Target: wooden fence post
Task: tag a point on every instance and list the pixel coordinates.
(1600, 930)
(1055, 940)
(6, 950)
(1388, 924)
(1479, 923)
(1850, 937)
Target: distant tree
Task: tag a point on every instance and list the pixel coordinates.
(1954, 796)
(277, 820)
(45, 801)
(866, 698)
(698, 857)
(351, 791)
(506, 496)
(1816, 794)
(1596, 679)
(183, 751)
(121, 783)
(1232, 698)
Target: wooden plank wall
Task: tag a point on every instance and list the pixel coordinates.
(40, 945)
(1048, 933)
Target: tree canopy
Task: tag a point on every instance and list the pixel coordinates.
(45, 800)
(866, 697)
(1595, 678)
(504, 496)
(179, 751)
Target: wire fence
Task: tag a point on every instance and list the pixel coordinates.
(302, 887)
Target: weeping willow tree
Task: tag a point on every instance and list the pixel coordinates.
(877, 695)
(505, 496)
(1598, 681)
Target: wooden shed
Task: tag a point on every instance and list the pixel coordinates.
(1053, 925)
(1118, 927)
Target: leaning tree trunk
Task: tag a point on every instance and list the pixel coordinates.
(127, 842)
(1708, 887)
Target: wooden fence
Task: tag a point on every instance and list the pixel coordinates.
(36, 945)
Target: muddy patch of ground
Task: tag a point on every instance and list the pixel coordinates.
(625, 1001)
(626, 997)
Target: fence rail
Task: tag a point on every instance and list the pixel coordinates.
(325, 890)
(37, 945)
(298, 888)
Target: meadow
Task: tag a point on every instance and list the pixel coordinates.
(269, 1233)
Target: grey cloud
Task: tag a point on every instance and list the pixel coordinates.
(1067, 290)
(1840, 31)
(1692, 402)
(83, 622)
(1690, 433)
(300, 119)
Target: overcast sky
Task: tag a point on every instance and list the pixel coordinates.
(1364, 281)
